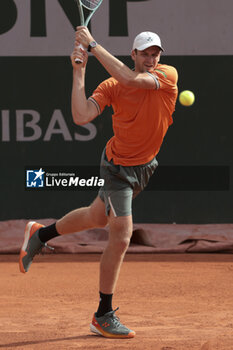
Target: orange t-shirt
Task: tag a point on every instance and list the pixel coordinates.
(141, 116)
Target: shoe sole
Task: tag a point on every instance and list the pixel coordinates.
(109, 335)
(24, 246)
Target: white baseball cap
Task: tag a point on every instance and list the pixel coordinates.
(145, 40)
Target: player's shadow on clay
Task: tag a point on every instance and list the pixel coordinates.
(34, 342)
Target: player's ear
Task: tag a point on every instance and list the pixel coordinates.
(133, 55)
(159, 55)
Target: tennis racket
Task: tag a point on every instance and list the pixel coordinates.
(91, 6)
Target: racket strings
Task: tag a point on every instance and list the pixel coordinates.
(91, 4)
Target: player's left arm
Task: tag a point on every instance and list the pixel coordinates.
(115, 67)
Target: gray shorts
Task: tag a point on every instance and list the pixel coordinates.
(122, 184)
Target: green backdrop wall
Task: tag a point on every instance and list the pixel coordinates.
(36, 91)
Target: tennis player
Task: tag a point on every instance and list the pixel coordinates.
(143, 101)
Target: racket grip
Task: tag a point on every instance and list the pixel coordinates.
(77, 60)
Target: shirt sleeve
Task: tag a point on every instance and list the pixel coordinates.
(102, 96)
(167, 77)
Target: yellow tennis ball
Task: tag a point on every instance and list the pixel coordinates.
(186, 98)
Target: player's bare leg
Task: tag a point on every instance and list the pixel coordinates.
(83, 218)
(120, 232)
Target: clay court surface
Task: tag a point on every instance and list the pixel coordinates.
(173, 302)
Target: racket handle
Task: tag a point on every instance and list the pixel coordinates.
(77, 60)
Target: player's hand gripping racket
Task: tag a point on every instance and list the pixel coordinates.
(91, 6)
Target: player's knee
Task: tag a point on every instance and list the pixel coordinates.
(120, 232)
(121, 245)
(97, 218)
(101, 221)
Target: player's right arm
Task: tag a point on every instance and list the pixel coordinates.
(83, 110)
